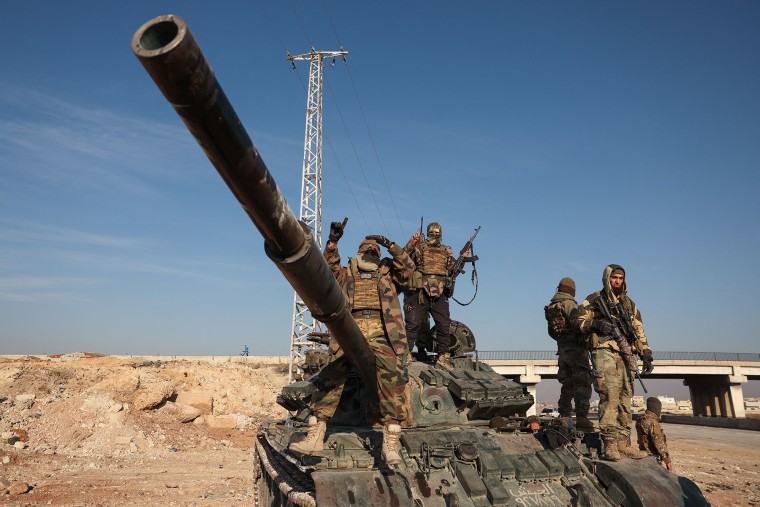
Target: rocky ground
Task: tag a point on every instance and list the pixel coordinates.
(105, 431)
(90, 430)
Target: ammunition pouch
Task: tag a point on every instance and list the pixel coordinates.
(415, 281)
(594, 340)
(448, 287)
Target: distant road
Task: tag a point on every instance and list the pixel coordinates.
(702, 436)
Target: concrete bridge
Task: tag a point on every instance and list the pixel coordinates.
(714, 378)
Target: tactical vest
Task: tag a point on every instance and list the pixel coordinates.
(433, 261)
(366, 296)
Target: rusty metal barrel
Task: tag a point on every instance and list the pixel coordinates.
(172, 57)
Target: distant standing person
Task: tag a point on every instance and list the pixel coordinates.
(574, 371)
(651, 438)
(613, 381)
(425, 294)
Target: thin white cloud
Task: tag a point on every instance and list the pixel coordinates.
(47, 139)
(20, 231)
(41, 282)
(38, 289)
(40, 297)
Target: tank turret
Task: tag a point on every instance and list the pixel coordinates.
(466, 439)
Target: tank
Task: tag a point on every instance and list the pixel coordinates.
(466, 440)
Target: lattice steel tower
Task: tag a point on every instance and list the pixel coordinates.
(311, 196)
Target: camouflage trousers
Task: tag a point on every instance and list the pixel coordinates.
(614, 385)
(575, 376)
(391, 371)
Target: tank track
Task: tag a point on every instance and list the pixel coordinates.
(291, 482)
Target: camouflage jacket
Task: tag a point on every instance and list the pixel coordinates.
(432, 285)
(572, 338)
(589, 310)
(392, 273)
(650, 436)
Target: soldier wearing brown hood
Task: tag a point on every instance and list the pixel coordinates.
(370, 285)
(650, 435)
(574, 372)
(613, 381)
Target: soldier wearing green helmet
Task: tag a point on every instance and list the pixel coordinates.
(426, 295)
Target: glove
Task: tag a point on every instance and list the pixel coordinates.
(336, 230)
(646, 358)
(381, 240)
(602, 327)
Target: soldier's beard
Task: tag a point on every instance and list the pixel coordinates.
(368, 262)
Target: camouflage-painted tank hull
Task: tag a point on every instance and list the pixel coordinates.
(472, 448)
(505, 469)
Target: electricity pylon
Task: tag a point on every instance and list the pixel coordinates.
(311, 197)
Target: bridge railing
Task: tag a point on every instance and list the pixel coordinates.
(542, 355)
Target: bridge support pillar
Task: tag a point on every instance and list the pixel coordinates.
(531, 383)
(711, 397)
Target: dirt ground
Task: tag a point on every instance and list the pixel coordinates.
(89, 430)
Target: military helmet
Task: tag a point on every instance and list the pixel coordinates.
(369, 246)
(434, 233)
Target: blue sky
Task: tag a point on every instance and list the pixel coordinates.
(576, 134)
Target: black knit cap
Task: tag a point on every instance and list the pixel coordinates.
(567, 285)
(654, 405)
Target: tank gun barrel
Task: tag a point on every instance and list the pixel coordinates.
(172, 57)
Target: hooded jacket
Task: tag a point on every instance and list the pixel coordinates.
(391, 272)
(589, 310)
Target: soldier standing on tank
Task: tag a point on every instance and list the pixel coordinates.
(613, 381)
(370, 284)
(650, 435)
(574, 371)
(426, 295)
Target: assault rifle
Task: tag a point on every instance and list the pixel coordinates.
(619, 318)
(458, 267)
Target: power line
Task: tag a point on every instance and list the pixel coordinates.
(366, 124)
(358, 161)
(374, 149)
(304, 87)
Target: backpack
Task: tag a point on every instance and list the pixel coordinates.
(556, 319)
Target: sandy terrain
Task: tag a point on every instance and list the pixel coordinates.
(106, 431)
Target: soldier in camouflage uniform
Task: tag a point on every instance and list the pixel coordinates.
(370, 284)
(651, 437)
(574, 372)
(613, 381)
(425, 294)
